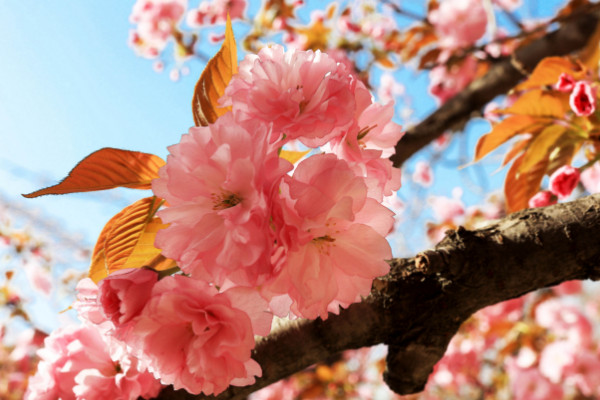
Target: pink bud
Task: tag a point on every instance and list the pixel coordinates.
(563, 181)
(542, 199)
(565, 83)
(583, 99)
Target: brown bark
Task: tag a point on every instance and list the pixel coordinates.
(502, 76)
(420, 304)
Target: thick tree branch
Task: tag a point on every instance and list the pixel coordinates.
(502, 76)
(420, 304)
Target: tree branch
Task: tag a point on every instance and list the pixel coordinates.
(502, 76)
(418, 307)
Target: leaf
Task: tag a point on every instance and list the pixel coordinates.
(293, 156)
(519, 187)
(127, 241)
(213, 81)
(503, 131)
(539, 103)
(515, 150)
(108, 168)
(541, 146)
(547, 71)
(590, 54)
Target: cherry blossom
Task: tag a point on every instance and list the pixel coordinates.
(590, 178)
(422, 175)
(155, 21)
(565, 83)
(459, 23)
(194, 338)
(447, 81)
(76, 364)
(583, 99)
(217, 182)
(542, 199)
(563, 181)
(328, 226)
(215, 12)
(305, 95)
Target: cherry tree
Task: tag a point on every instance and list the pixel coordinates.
(262, 248)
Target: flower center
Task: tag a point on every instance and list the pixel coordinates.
(225, 200)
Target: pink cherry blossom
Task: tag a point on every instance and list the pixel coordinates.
(590, 178)
(123, 294)
(366, 147)
(530, 384)
(306, 95)
(563, 181)
(565, 83)
(389, 88)
(155, 20)
(217, 182)
(583, 99)
(568, 288)
(566, 322)
(328, 228)
(194, 338)
(542, 199)
(422, 175)
(446, 208)
(215, 12)
(459, 23)
(447, 81)
(76, 364)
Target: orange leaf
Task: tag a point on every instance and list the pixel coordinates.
(547, 71)
(519, 187)
(541, 146)
(106, 169)
(590, 54)
(515, 150)
(127, 241)
(539, 103)
(293, 156)
(503, 131)
(213, 81)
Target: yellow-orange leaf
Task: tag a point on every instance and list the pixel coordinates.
(541, 146)
(547, 71)
(590, 55)
(519, 187)
(293, 156)
(539, 103)
(127, 241)
(503, 131)
(515, 150)
(213, 81)
(106, 169)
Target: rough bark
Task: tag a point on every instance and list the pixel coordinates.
(420, 304)
(502, 76)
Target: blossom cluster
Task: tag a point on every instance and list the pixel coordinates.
(253, 235)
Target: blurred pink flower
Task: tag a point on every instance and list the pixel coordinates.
(590, 178)
(566, 322)
(583, 99)
(530, 384)
(156, 21)
(447, 81)
(459, 23)
(563, 181)
(542, 199)
(565, 83)
(194, 338)
(446, 209)
(217, 182)
(423, 175)
(215, 12)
